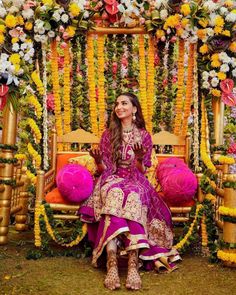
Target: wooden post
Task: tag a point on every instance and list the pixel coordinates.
(218, 110)
(6, 170)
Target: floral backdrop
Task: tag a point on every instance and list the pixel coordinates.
(46, 69)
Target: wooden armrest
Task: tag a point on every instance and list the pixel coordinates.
(45, 181)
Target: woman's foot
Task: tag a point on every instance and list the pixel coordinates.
(112, 280)
(133, 280)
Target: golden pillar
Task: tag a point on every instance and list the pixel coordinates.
(6, 169)
(218, 110)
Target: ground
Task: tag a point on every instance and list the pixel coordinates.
(73, 276)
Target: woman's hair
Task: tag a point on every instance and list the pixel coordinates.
(115, 126)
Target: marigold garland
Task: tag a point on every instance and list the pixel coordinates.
(227, 255)
(36, 79)
(67, 110)
(204, 231)
(150, 82)
(226, 160)
(101, 82)
(91, 84)
(180, 244)
(142, 79)
(45, 111)
(56, 89)
(41, 212)
(227, 211)
(180, 91)
(189, 88)
(36, 131)
(203, 147)
(35, 155)
(35, 103)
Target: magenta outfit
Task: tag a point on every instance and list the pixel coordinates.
(124, 206)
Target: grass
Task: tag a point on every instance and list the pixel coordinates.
(72, 276)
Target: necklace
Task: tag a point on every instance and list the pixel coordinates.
(128, 130)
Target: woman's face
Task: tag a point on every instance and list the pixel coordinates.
(124, 108)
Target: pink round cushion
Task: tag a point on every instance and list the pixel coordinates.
(167, 165)
(75, 183)
(178, 182)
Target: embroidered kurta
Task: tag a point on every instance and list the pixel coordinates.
(125, 205)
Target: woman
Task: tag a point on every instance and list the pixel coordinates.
(131, 219)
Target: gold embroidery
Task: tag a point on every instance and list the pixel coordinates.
(160, 234)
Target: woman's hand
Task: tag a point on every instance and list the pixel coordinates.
(139, 151)
(97, 155)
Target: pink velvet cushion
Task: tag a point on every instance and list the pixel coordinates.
(75, 183)
(178, 182)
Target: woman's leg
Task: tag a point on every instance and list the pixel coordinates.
(133, 280)
(112, 280)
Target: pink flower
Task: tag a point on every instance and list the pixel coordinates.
(232, 148)
(16, 32)
(124, 61)
(114, 68)
(112, 9)
(164, 83)
(60, 61)
(50, 102)
(229, 99)
(63, 45)
(29, 4)
(227, 85)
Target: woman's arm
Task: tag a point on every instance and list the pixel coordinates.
(139, 152)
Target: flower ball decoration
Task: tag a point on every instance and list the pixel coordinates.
(75, 183)
(178, 182)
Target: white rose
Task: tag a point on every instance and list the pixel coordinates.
(224, 68)
(205, 85)
(3, 12)
(234, 73)
(212, 73)
(56, 16)
(64, 18)
(15, 47)
(163, 14)
(51, 34)
(214, 82)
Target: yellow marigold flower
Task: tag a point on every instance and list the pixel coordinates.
(215, 64)
(74, 9)
(28, 26)
(20, 20)
(185, 9)
(221, 76)
(201, 34)
(10, 21)
(215, 56)
(160, 33)
(14, 58)
(2, 29)
(184, 22)
(232, 46)
(216, 92)
(218, 30)
(229, 3)
(204, 49)
(2, 38)
(172, 21)
(179, 32)
(219, 21)
(70, 31)
(48, 2)
(226, 33)
(14, 40)
(203, 22)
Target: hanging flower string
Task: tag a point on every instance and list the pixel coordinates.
(227, 255)
(180, 244)
(204, 231)
(180, 91)
(32, 100)
(67, 111)
(189, 88)
(91, 84)
(35, 155)
(150, 82)
(40, 212)
(142, 79)
(45, 112)
(56, 90)
(101, 82)
(35, 77)
(36, 131)
(203, 148)
(195, 117)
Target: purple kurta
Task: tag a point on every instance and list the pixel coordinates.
(126, 207)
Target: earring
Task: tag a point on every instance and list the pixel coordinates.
(134, 117)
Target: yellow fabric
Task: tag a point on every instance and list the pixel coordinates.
(151, 172)
(87, 161)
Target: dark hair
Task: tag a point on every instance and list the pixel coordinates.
(115, 126)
